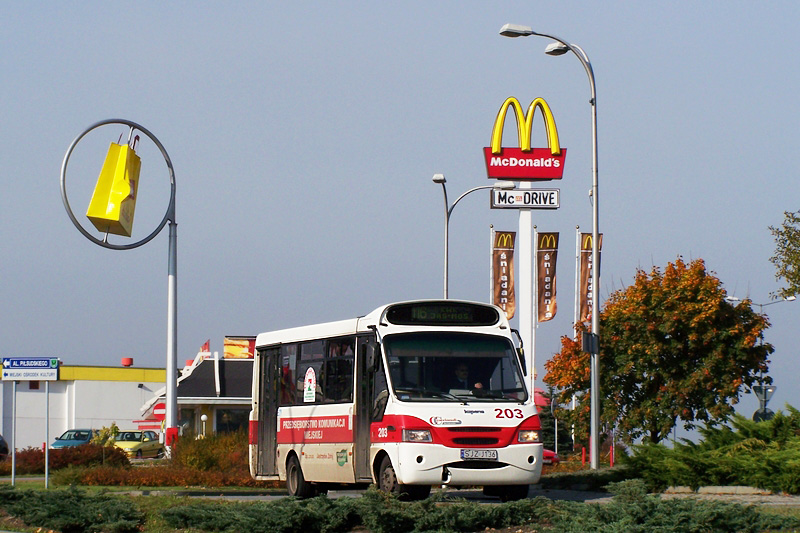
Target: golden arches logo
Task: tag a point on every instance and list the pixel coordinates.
(587, 242)
(548, 241)
(504, 240)
(525, 125)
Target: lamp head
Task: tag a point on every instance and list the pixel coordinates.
(439, 178)
(515, 30)
(504, 185)
(556, 49)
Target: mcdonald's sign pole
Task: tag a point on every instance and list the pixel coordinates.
(561, 47)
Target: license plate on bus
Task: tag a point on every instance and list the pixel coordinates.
(485, 455)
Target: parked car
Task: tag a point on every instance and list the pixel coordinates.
(74, 437)
(549, 457)
(139, 443)
(3, 449)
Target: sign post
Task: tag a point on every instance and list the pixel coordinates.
(18, 369)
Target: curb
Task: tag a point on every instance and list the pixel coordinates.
(733, 489)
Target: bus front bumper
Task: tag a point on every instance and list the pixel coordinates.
(426, 464)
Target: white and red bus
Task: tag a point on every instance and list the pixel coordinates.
(376, 399)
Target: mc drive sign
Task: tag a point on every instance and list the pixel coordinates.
(30, 369)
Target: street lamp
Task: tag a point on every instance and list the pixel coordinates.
(763, 393)
(561, 47)
(448, 210)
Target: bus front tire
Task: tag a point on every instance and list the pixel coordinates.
(387, 482)
(296, 484)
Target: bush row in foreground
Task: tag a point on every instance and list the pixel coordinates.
(632, 510)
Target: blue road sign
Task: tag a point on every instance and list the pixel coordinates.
(30, 369)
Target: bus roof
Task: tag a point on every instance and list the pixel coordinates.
(358, 325)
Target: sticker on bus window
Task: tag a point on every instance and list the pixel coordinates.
(310, 388)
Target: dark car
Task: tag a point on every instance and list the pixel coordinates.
(74, 437)
(3, 448)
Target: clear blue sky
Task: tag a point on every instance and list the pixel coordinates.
(304, 136)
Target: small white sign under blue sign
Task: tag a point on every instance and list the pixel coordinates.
(30, 369)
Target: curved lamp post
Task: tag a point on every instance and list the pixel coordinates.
(448, 210)
(558, 48)
(762, 397)
(171, 420)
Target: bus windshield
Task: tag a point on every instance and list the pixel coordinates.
(453, 367)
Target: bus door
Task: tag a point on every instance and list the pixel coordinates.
(367, 354)
(269, 383)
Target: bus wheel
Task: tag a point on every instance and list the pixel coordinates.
(387, 482)
(296, 484)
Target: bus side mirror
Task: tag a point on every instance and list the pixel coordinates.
(520, 352)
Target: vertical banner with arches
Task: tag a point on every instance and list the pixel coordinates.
(585, 301)
(546, 255)
(503, 271)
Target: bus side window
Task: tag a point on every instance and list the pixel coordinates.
(288, 365)
(311, 357)
(339, 370)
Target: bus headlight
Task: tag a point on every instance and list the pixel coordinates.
(528, 435)
(417, 435)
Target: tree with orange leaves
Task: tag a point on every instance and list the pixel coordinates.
(671, 347)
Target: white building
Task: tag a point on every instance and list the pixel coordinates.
(83, 397)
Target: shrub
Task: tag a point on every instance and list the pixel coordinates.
(595, 480)
(158, 475)
(223, 451)
(71, 511)
(759, 454)
(632, 510)
(31, 460)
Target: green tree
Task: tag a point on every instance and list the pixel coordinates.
(671, 347)
(787, 253)
(106, 435)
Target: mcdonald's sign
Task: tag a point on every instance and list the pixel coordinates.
(504, 240)
(524, 162)
(548, 241)
(586, 242)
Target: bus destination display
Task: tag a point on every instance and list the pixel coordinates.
(441, 314)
